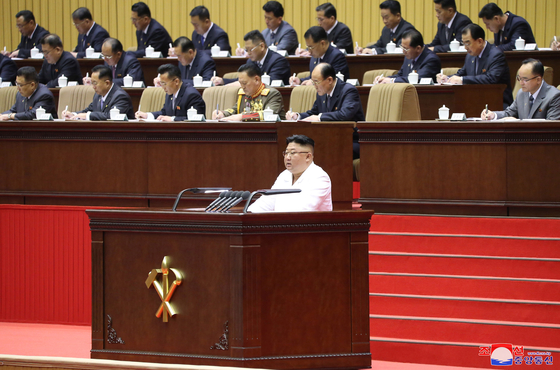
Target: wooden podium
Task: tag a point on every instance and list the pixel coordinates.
(277, 290)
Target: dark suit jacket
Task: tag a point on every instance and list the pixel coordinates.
(441, 41)
(95, 39)
(335, 58)
(387, 36)
(157, 37)
(187, 97)
(342, 37)
(202, 65)
(26, 44)
(25, 108)
(515, 27)
(216, 36)
(284, 39)
(344, 105)
(8, 69)
(117, 97)
(127, 65)
(492, 69)
(67, 65)
(546, 105)
(275, 65)
(428, 64)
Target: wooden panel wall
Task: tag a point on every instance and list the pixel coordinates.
(361, 16)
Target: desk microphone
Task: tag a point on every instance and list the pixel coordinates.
(244, 196)
(218, 199)
(222, 201)
(269, 192)
(196, 191)
(234, 196)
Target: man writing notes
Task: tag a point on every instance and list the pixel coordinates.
(450, 26)
(90, 33)
(322, 52)
(180, 97)
(31, 35)
(107, 96)
(535, 100)
(31, 95)
(278, 32)
(303, 174)
(417, 58)
(206, 33)
(148, 31)
(252, 98)
(484, 64)
(506, 27)
(394, 28)
(337, 32)
(57, 63)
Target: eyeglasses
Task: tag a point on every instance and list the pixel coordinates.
(320, 19)
(20, 26)
(106, 56)
(291, 154)
(22, 85)
(164, 84)
(47, 52)
(525, 80)
(76, 24)
(311, 47)
(316, 83)
(250, 51)
(404, 49)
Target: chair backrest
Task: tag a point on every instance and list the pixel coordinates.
(302, 98)
(7, 98)
(303, 74)
(223, 95)
(152, 99)
(548, 77)
(231, 75)
(393, 102)
(75, 97)
(450, 71)
(369, 76)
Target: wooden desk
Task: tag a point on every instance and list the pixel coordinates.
(147, 164)
(480, 168)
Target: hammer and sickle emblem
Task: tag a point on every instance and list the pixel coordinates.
(165, 293)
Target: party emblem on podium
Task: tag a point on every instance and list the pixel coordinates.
(165, 292)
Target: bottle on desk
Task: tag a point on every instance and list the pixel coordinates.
(149, 51)
(127, 80)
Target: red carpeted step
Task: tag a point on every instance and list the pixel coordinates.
(476, 309)
(466, 286)
(463, 330)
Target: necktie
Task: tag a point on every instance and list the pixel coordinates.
(260, 65)
(189, 76)
(328, 101)
(173, 103)
(101, 103)
(114, 70)
(447, 34)
(476, 66)
(84, 43)
(272, 36)
(202, 41)
(531, 100)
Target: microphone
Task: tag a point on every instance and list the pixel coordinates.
(196, 191)
(269, 192)
(224, 199)
(244, 196)
(234, 196)
(218, 199)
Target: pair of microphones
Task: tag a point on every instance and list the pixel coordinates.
(227, 200)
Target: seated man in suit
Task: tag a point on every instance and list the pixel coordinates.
(278, 32)
(31, 35)
(180, 97)
(121, 62)
(337, 32)
(191, 62)
(148, 31)
(535, 100)
(484, 64)
(417, 57)
(57, 63)
(31, 95)
(8, 69)
(90, 33)
(270, 62)
(206, 33)
(450, 26)
(322, 52)
(395, 27)
(506, 27)
(107, 96)
(301, 173)
(252, 98)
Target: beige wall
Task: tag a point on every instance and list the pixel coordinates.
(362, 16)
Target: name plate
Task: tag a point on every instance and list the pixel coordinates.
(197, 118)
(138, 84)
(72, 83)
(284, 53)
(343, 51)
(353, 81)
(271, 118)
(207, 84)
(45, 117)
(95, 56)
(5, 84)
(38, 56)
(224, 54)
(459, 117)
(277, 83)
(426, 81)
(120, 117)
(530, 47)
(155, 54)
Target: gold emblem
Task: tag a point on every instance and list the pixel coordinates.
(165, 293)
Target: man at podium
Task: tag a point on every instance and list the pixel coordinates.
(301, 173)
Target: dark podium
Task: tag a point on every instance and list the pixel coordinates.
(275, 290)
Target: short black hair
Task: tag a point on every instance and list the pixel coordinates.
(142, 9)
(328, 9)
(327, 70)
(393, 5)
(475, 30)
(171, 69)
(255, 36)
(538, 67)
(416, 38)
(251, 69)
(201, 11)
(489, 11)
(26, 14)
(29, 73)
(446, 4)
(115, 44)
(275, 7)
(81, 14)
(301, 140)
(185, 43)
(104, 72)
(316, 33)
(52, 40)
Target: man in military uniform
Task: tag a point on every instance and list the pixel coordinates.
(252, 98)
